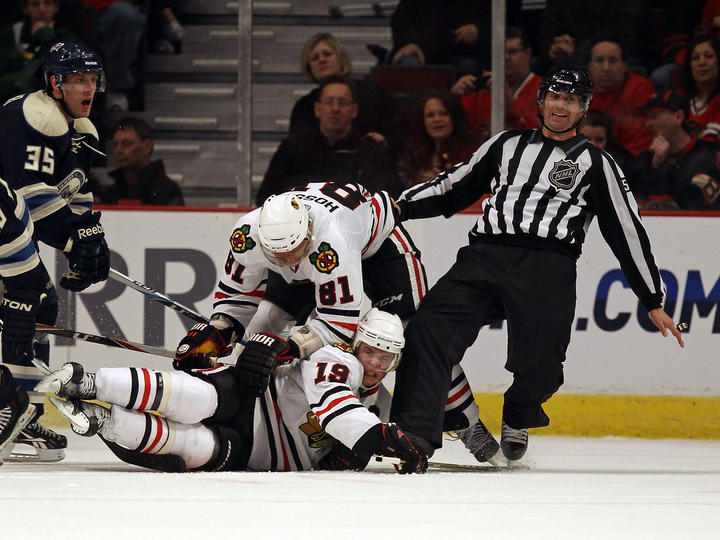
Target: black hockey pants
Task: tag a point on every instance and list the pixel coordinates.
(534, 289)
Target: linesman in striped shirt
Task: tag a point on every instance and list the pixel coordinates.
(545, 186)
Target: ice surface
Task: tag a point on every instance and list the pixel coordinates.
(578, 488)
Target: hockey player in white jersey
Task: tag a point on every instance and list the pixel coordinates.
(211, 423)
(330, 250)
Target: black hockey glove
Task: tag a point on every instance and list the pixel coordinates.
(390, 440)
(18, 312)
(203, 342)
(89, 256)
(341, 458)
(261, 355)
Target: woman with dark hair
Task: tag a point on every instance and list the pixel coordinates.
(323, 56)
(439, 137)
(702, 84)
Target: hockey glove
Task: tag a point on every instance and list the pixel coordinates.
(341, 458)
(89, 256)
(202, 342)
(18, 312)
(390, 440)
(261, 355)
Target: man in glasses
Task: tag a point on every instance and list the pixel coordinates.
(335, 150)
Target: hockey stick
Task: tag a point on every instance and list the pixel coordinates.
(493, 465)
(157, 296)
(102, 340)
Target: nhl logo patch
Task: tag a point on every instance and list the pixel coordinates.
(240, 240)
(564, 174)
(325, 259)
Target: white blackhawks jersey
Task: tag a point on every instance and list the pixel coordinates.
(309, 405)
(348, 225)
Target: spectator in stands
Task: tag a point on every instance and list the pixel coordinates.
(324, 56)
(119, 28)
(438, 32)
(337, 151)
(597, 127)
(702, 84)
(621, 94)
(521, 86)
(137, 178)
(24, 45)
(439, 137)
(679, 170)
(165, 32)
(679, 24)
(570, 29)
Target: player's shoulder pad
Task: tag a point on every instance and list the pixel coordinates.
(84, 125)
(344, 347)
(43, 115)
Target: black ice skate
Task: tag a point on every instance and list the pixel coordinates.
(13, 418)
(42, 444)
(479, 441)
(513, 442)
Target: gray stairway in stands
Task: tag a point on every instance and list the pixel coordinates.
(191, 98)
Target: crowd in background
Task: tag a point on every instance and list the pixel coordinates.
(654, 65)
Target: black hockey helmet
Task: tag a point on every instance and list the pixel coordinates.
(70, 57)
(569, 80)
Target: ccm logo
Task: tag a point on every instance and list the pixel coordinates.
(265, 340)
(87, 232)
(14, 304)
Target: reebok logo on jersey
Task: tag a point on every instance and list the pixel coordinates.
(88, 232)
(325, 259)
(240, 240)
(564, 174)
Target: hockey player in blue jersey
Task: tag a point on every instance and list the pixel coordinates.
(23, 278)
(47, 144)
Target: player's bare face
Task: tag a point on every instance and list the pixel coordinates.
(324, 61)
(438, 122)
(78, 91)
(560, 112)
(375, 363)
(293, 257)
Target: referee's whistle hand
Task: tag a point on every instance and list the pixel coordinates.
(664, 323)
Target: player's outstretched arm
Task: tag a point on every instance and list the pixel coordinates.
(664, 323)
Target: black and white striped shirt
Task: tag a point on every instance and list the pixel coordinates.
(545, 193)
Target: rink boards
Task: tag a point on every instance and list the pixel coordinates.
(617, 364)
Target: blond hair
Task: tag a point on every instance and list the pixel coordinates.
(334, 44)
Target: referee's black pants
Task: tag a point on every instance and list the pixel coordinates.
(533, 289)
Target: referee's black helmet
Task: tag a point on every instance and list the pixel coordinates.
(569, 80)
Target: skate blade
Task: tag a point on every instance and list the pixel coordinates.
(40, 455)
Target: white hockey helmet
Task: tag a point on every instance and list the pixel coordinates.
(284, 224)
(384, 331)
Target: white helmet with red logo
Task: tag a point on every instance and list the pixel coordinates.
(383, 331)
(284, 224)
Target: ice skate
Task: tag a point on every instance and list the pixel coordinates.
(13, 418)
(71, 382)
(513, 442)
(86, 419)
(37, 443)
(479, 441)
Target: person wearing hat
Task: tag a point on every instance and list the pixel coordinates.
(678, 168)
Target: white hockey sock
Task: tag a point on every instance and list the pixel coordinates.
(176, 394)
(150, 434)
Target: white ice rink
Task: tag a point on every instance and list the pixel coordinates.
(575, 488)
